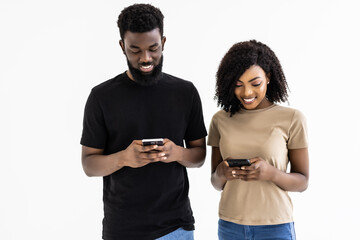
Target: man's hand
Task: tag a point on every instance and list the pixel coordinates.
(95, 163)
(137, 155)
(191, 156)
(170, 152)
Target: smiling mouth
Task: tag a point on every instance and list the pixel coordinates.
(249, 100)
(147, 68)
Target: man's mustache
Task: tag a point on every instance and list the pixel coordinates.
(146, 63)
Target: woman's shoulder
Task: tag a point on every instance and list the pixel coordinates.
(289, 112)
(287, 109)
(221, 114)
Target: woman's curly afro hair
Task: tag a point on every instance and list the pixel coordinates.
(236, 61)
(140, 18)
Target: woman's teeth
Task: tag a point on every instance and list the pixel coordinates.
(248, 100)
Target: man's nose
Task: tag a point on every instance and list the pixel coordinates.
(145, 57)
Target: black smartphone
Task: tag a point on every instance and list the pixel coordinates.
(238, 162)
(153, 141)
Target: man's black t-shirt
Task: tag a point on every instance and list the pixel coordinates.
(150, 201)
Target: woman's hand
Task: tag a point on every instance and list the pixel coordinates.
(295, 181)
(227, 173)
(258, 170)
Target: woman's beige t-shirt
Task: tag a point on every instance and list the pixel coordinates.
(267, 133)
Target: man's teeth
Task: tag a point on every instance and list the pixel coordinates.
(147, 67)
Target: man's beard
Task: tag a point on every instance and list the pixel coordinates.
(146, 79)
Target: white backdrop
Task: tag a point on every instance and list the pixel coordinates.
(53, 52)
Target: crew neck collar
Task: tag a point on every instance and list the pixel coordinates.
(259, 110)
(133, 82)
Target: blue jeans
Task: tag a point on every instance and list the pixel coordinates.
(233, 231)
(179, 234)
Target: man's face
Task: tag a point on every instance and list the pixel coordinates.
(144, 55)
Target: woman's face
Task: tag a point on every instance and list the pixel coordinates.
(251, 88)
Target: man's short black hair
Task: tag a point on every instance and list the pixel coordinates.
(240, 57)
(140, 18)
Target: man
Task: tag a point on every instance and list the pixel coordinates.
(145, 187)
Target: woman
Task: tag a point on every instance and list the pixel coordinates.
(251, 125)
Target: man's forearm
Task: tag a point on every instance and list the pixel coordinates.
(193, 157)
(101, 165)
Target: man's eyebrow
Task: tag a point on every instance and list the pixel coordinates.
(154, 45)
(251, 80)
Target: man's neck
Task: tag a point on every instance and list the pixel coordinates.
(128, 73)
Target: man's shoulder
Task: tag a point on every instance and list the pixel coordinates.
(178, 83)
(177, 80)
(109, 84)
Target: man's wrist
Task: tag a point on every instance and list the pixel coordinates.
(180, 154)
(119, 159)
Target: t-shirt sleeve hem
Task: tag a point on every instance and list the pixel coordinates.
(297, 147)
(212, 144)
(86, 144)
(200, 136)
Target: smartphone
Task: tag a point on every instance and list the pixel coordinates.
(153, 141)
(238, 162)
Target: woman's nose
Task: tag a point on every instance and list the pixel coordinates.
(248, 91)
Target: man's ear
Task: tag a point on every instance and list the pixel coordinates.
(122, 45)
(163, 40)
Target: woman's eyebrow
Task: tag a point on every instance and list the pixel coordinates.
(253, 79)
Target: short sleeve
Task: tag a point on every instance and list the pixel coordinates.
(214, 135)
(196, 127)
(298, 137)
(94, 130)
